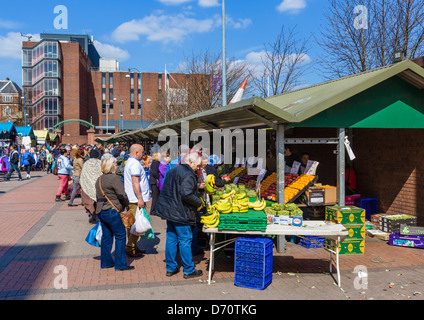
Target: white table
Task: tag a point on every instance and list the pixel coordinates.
(325, 229)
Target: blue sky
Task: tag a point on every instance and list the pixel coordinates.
(149, 34)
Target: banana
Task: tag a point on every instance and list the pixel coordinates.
(208, 187)
(261, 207)
(241, 195)
(209, 219)
(226, 195)
(254, 204)
(228, 211)
(212, 226)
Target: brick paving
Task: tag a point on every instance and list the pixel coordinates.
(41, 239)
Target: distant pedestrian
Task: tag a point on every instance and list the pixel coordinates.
(14, 163)
(77, 164)
(154, 179)
(111, 200)
(64, 171)
(178, 204)
(90, 172)
(27, 161)
(138, 191)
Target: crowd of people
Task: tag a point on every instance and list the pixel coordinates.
(114, 179)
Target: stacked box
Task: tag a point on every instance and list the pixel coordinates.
(253, 262)
(391, 223)
(353, 219)
(395, 239)
(250, 221)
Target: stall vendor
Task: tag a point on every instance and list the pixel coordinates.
(211, 168)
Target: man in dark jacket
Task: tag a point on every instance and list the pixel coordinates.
(14, 163)
(178, 203)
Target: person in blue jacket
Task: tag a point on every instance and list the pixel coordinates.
(27, 160)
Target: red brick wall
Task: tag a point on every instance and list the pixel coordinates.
(390, 168)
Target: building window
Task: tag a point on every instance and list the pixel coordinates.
(111, 108)
(103, 78)
(132, 108)
(7, 112)
(104, 108)
(139, 80)
(7, 98)
(111, 80)
(160, 81)
(139, 108)
(132, 95)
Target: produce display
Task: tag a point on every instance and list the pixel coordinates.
(277, 209)
(249, 181)
(237, 172)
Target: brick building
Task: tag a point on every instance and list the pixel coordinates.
(65, 79)
(10, 102)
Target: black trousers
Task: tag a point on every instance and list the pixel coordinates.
(155, 196)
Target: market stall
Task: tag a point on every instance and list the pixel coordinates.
(343, 104)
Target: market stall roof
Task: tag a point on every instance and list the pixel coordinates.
(113, 137)
(297, 107)
(26, 131)
(7, 127)
(42, 136)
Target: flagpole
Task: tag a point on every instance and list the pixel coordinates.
(224, 58)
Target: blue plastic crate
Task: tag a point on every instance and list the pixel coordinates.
(311, 245)
(253, 261)
(369, 204)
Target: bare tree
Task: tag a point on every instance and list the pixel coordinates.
(389, 26)
(283, 64)
(197, 86)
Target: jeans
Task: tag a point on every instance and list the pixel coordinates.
(179, 236)
(13, 167)
(112, 226)
(63, 185)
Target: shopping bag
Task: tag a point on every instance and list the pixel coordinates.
(91, 237)
(141, 224)
(99, 234)
(149, 235)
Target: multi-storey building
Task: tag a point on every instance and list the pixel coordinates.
(10, 102)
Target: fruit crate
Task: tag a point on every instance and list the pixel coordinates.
(253, 262)
(308, 244)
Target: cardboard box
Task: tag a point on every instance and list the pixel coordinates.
(392, 223)
(350, 200)
(378, 234)
(406, 241)
(355, 232)
(315, 196)
(330, 193)
(347, 215)
(406, 230)
(348, 247)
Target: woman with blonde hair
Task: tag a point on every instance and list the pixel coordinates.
(111, 200)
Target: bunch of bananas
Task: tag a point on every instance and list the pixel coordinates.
(212, 220)
(258, 205)
(210, 184)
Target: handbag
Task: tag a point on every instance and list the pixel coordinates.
(127, 217)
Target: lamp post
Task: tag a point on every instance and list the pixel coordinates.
(121, 122)
(224, 58)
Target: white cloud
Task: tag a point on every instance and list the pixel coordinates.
(7, 24)
(174, 2)
(255, 60)
(159, 27)
(292, 6)
(162, 28)
(209, 3)
(11, 45)
(111, 52)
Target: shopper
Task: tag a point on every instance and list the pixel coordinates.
(182, 151)
(14, 163)
(163, 166)
(178, 203)
(64, 171)
(77, 164)
(111, 200)
(49, 161)
(43, 157)
(154, 179)
(90, 172)
(138, 191)
(27, 161)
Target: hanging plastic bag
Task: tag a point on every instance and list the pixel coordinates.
(149, 235)
(99, 234)
(141, 225)
(91, 237)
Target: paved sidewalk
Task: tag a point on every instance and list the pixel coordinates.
(42, 243)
